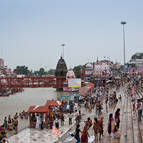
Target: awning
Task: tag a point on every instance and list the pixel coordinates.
(53, 103)
(38, 109)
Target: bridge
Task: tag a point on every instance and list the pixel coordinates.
(32, 82)
(57, 81)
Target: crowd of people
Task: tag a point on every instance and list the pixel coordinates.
(96, 103)
(134, 85)
(7, 91)
(89, 104)
(10, 125)
(103, 98)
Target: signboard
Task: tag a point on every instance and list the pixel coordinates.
(74, 82)
(74, 95)
(67, 98)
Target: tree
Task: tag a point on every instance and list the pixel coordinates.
(22, 70)
(77, 70)
(42, 72)
(51, 72)
(36, 73)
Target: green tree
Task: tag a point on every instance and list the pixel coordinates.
(42, 72)
(77, 70)
(22, 70)
(51, 72)
(36, 73)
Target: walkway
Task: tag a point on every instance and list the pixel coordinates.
(130, 131)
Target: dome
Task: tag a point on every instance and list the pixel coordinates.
(70, 74)
(61, 69)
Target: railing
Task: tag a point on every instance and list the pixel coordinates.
(31, 82)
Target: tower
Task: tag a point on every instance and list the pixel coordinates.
(61, 71)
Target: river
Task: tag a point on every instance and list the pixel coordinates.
(21, 101)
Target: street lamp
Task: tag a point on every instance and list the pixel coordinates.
(123, 23)
(63, 45)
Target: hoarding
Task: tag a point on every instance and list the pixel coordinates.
(74, 82)
(67, 98)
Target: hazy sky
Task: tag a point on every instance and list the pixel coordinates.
(32, 31)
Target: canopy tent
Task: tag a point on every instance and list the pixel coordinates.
(44, 110)
(53, 103)
(38, 109)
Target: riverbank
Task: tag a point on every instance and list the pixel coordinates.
(22, 101)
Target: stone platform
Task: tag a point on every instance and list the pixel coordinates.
(128, 132)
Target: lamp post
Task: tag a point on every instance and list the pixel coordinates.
(63, 45)
(123, 23)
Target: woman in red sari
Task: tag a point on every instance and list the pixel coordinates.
(100, 127)
(84, 135)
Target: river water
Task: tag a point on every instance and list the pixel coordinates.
(21, 101)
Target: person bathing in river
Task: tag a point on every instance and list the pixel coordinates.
(5, 123)
(15, 125)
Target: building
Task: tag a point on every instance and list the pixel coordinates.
(4, 70)
(89, 67)
(98, 68)
(136, 61)
(1, 63)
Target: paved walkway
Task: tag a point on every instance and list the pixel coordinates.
(128, 132)
(30, 135)
(68, 139)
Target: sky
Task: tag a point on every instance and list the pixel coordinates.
(32, 31)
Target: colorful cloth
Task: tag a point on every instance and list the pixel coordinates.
(84, 135)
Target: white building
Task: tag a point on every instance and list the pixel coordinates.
(136, 60)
